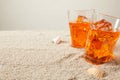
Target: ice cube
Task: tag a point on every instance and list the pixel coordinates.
(82, 19)
(103, 25)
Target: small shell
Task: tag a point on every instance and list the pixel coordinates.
(96, 72)
(57, 40)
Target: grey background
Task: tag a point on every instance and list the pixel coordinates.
(48, 14)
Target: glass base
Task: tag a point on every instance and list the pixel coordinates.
(77, 46)
(92, 61)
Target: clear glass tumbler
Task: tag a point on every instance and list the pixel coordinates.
(102, 38)
(79, 24)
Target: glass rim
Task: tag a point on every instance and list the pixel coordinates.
(81, 10)
(115, 17)
(95, 11)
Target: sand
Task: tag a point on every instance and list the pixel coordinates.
(31, 55)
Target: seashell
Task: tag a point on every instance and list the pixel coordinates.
(57, 40)
(96, 72)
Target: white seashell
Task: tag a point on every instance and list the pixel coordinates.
(57, 40)
(96, 72)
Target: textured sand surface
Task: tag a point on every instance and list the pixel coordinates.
(30, 55)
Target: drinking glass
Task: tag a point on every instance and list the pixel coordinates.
(102, 38)
(79, 24)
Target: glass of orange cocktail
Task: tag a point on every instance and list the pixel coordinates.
(79, 24)
(102, 38)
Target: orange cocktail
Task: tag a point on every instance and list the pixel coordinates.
(79, 30)
(79, 24)
(100, 43)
